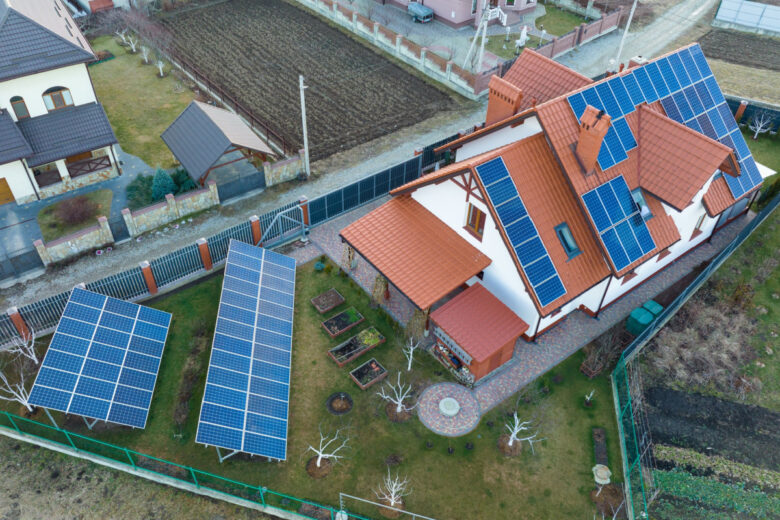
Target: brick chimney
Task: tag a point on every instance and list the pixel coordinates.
(636, 61)
(594, 125)
(503, 101)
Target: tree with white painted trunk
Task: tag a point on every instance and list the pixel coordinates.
(24, 346)
(17, 391)
(392, 490)
(408, 350)
(330, 447)
(132, 41)
(760, 124)
(161, 67)
(145, 53)
(397, 394)
(122, 35)
(519, 432)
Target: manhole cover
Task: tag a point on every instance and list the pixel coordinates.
(449, 407)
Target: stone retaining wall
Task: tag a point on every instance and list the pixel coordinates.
(285, 170)
(86, 239)
(173, 208)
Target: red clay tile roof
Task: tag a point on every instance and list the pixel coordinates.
(718, 197)
(542, 79)
(674, 160)
(516, 119)
(478, 322)
(418, 253)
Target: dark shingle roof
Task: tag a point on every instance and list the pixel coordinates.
(12, 144)
(65, 132)
(33, 39)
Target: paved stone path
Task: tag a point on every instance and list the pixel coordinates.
(462, 423)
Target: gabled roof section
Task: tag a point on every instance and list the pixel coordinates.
(38, 35)
(718, 197)
(542, 79)
(203, 133)
(418, 253)
(674, 160)
(65, 132)
(13, 146)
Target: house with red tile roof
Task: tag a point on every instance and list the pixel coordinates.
(561, 203)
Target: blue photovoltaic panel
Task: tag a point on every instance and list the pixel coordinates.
(246, 400)
(689, 94)
(621, 228)
(521, 231)
(103, 359)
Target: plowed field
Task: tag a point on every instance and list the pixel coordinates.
(255, 49)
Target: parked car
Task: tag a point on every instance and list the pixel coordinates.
(419, 12)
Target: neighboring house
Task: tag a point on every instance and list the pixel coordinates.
(460, 13)
(570, 199)
(54, 134)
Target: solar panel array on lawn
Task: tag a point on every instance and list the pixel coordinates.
(685, 86)
(246, 401)
(103, 359)
(618, 220)
(521, 231)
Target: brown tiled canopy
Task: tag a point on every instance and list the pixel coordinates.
(418, 253)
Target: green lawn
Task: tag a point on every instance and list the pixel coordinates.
(478, 483)
(52, 226)
(495, 44)
(557, 21)
(139, 104)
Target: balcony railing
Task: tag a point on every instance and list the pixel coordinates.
(86, 166)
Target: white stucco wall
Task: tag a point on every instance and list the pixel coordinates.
(31, 88)
(18, 181)
(498, 138)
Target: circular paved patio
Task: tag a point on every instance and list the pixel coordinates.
(462, 423)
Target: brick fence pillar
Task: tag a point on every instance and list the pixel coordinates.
(205, 254)
(42, 252)
(398, 39)
(449, 70)
(304, 203)
(129, 222)
(376, 31)
(105, 230)
(173, 209)
(740, 110)
(257, 231)
(19, 324)
(146, 269)
(212, 184)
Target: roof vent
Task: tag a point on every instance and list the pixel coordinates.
(636, 61)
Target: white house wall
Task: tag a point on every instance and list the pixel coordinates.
(16, 176)
(590, 299)
(498, 138)
(31, 88)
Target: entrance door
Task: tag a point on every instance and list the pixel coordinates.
(5, 192)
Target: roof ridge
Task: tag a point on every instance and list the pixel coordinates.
(558, 65)
(644, 107)
(16, 11)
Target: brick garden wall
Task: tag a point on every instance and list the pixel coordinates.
(173, 208)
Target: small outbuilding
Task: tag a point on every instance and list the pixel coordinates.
(203, 134)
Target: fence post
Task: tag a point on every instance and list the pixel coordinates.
(173, 210)
(304, 203)
(212, 184)
(127, 215)
(146, 269)
(257, 231)
(740, 110)
(449, 70)
(67, 436)
(197, 484)
(13, 423)
(18, 321)
(127, 452)
(398, 39)
(205, 255)
(43, 252)
(423, 52)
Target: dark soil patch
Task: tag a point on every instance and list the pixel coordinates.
(357, 345)
(318, 472)
(339, 403)
(75, 423)
(509, 451)
(609, 500)
(743, 433)
(328, 300)
(391, 513)
(368, 373)
(394, 459)
(190, 374)
(159, 467)
(668, 295)
(342, 322)
(742, 48)
(397, 417)
(312, 511)
(600, 446)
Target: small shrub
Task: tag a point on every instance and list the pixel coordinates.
(328, 268)
(323, 258)
(742, 296)
(139, 192)
(162, 185)
(76, 210)
(183, 181)
(319, 266)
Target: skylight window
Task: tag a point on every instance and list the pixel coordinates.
(567, 240)
(644, 210)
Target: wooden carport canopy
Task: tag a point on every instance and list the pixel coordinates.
(202, 134)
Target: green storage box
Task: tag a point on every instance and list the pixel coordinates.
(638, 320)
(654, 307)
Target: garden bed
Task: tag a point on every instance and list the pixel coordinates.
(327, 301)
(73, 214)
(355, 346)
(342, 322)
(369, 373)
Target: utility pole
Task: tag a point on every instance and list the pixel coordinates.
(625, 33)
(306, 166)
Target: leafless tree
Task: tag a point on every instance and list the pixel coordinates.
(132, 41)
(122, 35)
(145, 53)
(517, 428)
(16, 391)
(760, 124)
(589, 397)
(24, 346)
(392, 490)
(330, 446)
(409, 350)
(397, 394)
(161, 67)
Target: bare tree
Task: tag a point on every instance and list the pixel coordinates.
(589, 397)
(760, 124)
(161, 67)
(517, 428)
(122, 35)
(16, 391)
(330, 446)
(132, 41)
(397, 394)
(392, 490)
(145, 53)
(24, 346)
(408, 350)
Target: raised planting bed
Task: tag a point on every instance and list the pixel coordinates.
(342, 322)
(368, 373)
(361, 342)
(327, 301)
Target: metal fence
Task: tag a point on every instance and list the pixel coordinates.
(178, 264)
(127, 285)
(153, 468)
(44, 314)
(635, 444)
(241, 185)
(218, 244)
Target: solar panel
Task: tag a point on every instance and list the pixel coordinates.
(246, 400)
(689, 94)
(103, 359)
(521, 231)
(620, 226)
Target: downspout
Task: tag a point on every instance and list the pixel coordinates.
(32, 183)
(601, 303)
(116, 161)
